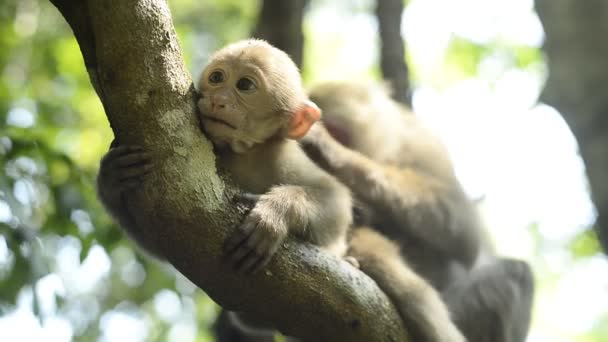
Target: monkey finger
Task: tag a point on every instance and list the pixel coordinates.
(250, 248)
(118, 151)
(239, 235)
(260, 249)
(247, 198)
(266, 251)
(130, 184)
(240, 257)
(245, 264)
(261, 264)
(132, 158)
(134, 171)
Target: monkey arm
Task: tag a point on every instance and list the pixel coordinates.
(117, 206)
(313, 214)
(296, 197)
(112, 183)
(318, 214)
(320, 207)
(430, 209)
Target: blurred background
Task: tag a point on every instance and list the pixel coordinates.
(472, 69)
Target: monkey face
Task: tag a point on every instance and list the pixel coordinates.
(236, 107)
(249, 89)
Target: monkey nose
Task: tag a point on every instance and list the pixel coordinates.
(218, 101)
(217, 106)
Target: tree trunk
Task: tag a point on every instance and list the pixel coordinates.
(132, 55)
(280, 23)
(392, 49)
(577, 54)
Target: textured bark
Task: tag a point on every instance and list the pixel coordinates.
(392, 49)
(280, 23)
(577, 55)
(132, 55)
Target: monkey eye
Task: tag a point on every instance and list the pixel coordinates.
(245, 84)
(216, 77)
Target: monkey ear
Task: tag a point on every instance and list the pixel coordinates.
(302, 119)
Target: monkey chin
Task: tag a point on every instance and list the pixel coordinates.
(224, 137)
(218, 130)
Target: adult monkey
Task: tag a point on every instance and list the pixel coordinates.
(406, 188)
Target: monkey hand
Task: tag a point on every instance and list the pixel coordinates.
(317, 135)
(120, 170)
(319, 145)
(254, 242)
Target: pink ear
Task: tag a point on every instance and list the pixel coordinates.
(302, 120)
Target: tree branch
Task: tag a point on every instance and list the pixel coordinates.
(577, 54)
(392, 49)
(185, 206)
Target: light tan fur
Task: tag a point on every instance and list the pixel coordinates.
(250, 127)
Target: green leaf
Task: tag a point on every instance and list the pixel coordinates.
(585, 244)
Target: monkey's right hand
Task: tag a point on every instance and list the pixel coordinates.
(122, 169)
(256, 240)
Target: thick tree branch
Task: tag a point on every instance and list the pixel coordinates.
(392, 49)
(131, 51)
(575, 43)
(280, 23)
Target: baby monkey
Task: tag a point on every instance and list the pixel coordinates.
(253, 108)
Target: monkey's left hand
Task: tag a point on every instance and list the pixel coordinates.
(254, 242)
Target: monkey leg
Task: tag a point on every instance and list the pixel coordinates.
(494, 303)
(423, 312)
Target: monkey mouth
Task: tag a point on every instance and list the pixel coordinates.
(218, 120)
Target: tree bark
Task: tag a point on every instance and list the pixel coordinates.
(577, 53)
(133, 58)
(280, 23)
(392, 49)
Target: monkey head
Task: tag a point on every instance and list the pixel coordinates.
(251, 92)
(361, 116)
